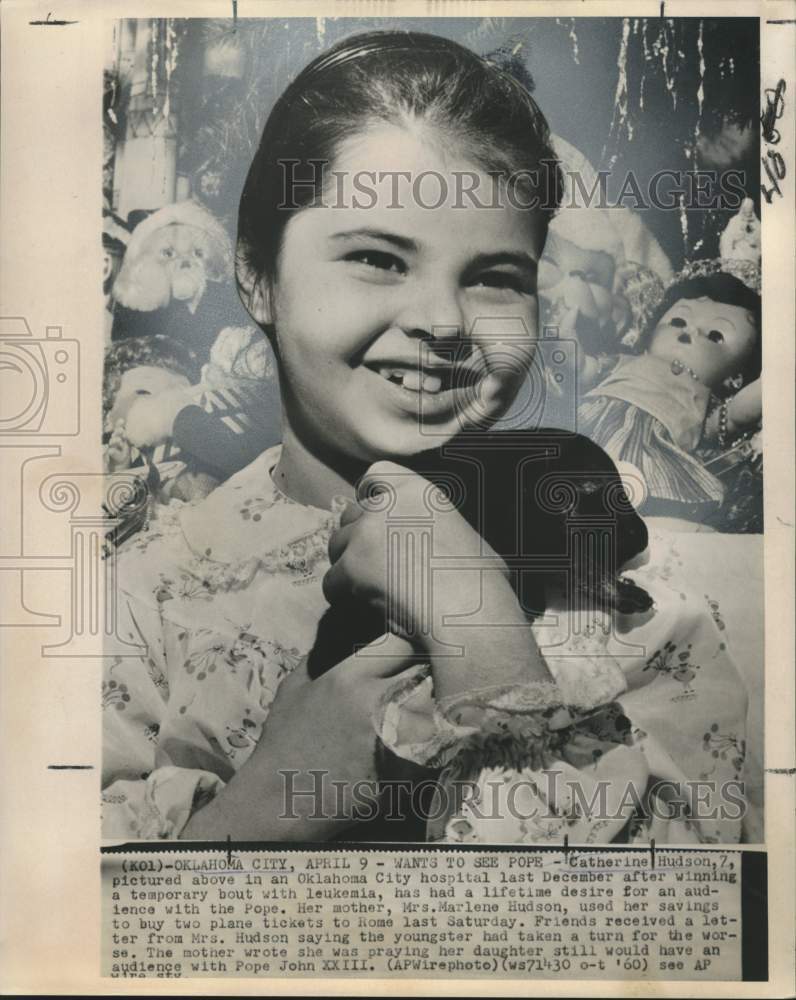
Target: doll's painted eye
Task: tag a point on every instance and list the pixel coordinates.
(143, 392)
(199, 252)
(677, 321)
(167, 252)
(716, 336)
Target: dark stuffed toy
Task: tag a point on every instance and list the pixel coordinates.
(529, 494)
(526, 493)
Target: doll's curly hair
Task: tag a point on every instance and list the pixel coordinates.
(156, 351)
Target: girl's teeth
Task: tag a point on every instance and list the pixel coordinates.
(391, 375)
(412, 379)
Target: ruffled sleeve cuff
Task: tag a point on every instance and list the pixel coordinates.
(416, 727)
(585, 681)
(158, 807)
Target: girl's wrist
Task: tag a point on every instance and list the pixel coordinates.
(479, 653)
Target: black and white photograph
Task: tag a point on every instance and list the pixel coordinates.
(389, 297)
(396, 437)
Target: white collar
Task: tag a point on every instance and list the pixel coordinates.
(247, 516)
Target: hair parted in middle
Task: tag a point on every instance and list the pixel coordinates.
(401, 78)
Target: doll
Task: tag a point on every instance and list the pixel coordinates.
(577, 273)
(740, 241)
(176, 279)
(136, 370)
(138, 374)
(590, 277)
(695, 377)
(235, 414)
(214, 422)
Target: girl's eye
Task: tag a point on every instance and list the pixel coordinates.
(677, 321)
(378, 259)
(167, 252)
(716, 336)
(503, 280)
(143, 392)
(198, 252)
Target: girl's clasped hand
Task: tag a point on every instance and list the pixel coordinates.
(435, 609)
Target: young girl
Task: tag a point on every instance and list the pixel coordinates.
(395, 326)
(696, 379)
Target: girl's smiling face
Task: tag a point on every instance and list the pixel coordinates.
(389, 315)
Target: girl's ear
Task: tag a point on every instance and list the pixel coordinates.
(255, 292)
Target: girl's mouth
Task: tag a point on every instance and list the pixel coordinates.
(416, 380)
(437, 394)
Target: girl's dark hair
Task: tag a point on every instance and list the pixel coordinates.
(156, 351)
(721, 287)
(388, 77)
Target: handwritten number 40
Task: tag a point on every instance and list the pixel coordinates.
(773, 162)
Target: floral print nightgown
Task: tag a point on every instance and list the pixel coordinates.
(219, 601)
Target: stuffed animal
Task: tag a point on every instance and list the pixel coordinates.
(741, 239)
(215, 423)
(588, 279)
(577, 273)
(176, 279)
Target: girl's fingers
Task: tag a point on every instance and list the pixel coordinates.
(338, 541)
(335, 584)
(352, 512)
(298, 675)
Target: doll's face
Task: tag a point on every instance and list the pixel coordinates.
(583, 278)
(712, 338)
(142, 382)
(183, 252)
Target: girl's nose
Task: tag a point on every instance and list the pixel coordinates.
(431, 313)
